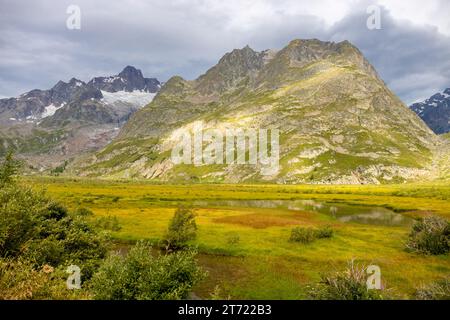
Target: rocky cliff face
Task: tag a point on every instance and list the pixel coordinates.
(435, 111)
(338, 121)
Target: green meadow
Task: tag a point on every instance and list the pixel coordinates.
(244, 230)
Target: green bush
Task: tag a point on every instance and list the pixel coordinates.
(140, 276)
(430, 235)
(20, 280)
(59, 169)
(35, 232)
(8, 169)
(44, 232)
(308, 235)
(21, 215)
(347, 285)
(438, 290)
(182, 228)
(325, 232)
(303, 235)
(68, 241)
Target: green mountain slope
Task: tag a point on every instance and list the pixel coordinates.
(338, 121)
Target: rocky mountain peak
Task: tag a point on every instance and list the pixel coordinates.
(245, 57)
(300, 52)
(131, 73)
(233, 68)
(435, 111)
(305, 51)
(64, 86)
(76, 82)
(65, 91)
(129, 79)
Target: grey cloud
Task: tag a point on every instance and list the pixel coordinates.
(164, 38)
(414, 61)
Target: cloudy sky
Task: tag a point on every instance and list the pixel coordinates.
(185, 37)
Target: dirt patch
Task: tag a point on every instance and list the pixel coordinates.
(262, 221)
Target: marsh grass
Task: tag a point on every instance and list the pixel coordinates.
(264, 264)
(108, 223)
(349, 284)
(437, 290)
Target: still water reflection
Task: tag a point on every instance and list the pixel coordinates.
(340, 211)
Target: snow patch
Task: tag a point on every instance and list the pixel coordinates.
(50, 110)
(112, 79)
(137, 98)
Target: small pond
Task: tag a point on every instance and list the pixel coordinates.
(341, 211)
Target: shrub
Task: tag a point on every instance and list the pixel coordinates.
(44, 232)
(140, 276)
(303, 235)
(430, 235)
(438, 290)
(8, 169)
(20, 280)
(54, 210)
(182, 228)
(307, 235)
(347, 285)
(59, 169)
(68, 241)
(325, 232)
(35, 232)
(21, 212)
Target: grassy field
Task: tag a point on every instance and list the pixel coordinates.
(246, 249)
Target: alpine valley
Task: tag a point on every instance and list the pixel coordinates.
(338, 122)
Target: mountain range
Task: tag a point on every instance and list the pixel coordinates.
(338, 121)
(435, 111)
(50, 127)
